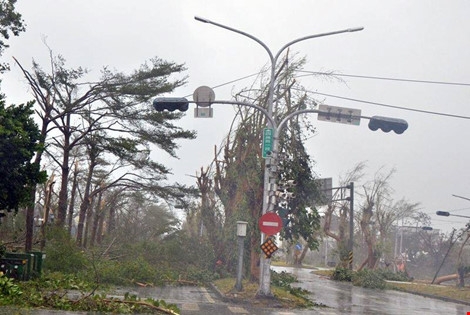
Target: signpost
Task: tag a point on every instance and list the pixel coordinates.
(270, 223)
(267, 142)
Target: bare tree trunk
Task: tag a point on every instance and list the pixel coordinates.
(101, 230)
(72, 198)
(111, 219)
(63, 193)
(89, 217)
(254, 258)
(47, 209)
(302, 255)
(85, 206)
(96, 219)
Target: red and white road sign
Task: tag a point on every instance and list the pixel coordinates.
(270, 223)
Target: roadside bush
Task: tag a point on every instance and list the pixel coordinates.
(342, 274)
(368, 279)
(62, 254)
(393, 276)
(282, 279)
(8, 289)
(127, 272)
(197, 275)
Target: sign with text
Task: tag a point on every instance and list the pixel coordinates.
(343, 115)
(268, 135)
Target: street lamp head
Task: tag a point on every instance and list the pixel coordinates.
(355, 29)
(200, 19)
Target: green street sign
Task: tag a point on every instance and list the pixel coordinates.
(268, 134)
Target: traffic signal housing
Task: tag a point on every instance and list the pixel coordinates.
(171, 104)
(387, 124)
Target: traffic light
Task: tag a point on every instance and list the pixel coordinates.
(388, 124)
(443, 213)
(171, 104)
(284, 214)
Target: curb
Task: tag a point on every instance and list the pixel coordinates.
(437, 297)
(225, 298)
(236, 300)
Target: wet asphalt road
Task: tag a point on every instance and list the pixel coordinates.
(338, 298)
(344, 298)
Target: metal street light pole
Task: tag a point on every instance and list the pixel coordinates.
(265, 275)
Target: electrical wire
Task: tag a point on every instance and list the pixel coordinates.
(363, 101)
(393, 106)
(385, 78)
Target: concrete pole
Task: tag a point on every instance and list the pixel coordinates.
(238, 285)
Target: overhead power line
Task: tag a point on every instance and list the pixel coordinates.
(368, 102)
(393, 106)
(385, 78)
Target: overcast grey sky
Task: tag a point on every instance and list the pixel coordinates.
(417, 40)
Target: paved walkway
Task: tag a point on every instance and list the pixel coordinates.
(201, 300)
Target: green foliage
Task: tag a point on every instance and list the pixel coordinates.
(10, 23)
(342, 274)
(284, 281)
(128, 272)
(19, 140)
(304, 218)
(62, 253)
(388, 274)
(8, 289)
(200, 275)
(368, 279)
(70, 293)
(176, 257)
(179, 250)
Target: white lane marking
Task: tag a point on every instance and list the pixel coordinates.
(207, 295)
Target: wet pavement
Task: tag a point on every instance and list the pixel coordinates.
(344, 298)
(338, 298)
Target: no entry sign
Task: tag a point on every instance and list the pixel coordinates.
(270, 223)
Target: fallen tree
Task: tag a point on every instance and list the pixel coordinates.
(454, 276)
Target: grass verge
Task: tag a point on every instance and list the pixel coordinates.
(435, 290)
(282, 298)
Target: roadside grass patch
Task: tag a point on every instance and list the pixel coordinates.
(283, 297)
(447, 291)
